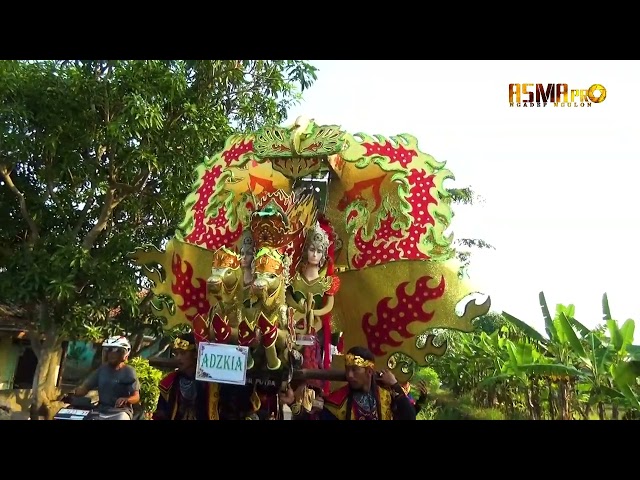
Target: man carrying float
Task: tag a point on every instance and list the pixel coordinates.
(181, 396)
(367, 395)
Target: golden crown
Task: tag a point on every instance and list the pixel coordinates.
(265, 263)
(351, 360)
(270, 232)
(181, 344)
(225, 258)
(318, 238)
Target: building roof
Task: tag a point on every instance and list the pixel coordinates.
(13, 318)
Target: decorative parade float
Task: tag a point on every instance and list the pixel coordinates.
(297, 236)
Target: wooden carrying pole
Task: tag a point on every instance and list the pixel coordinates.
(303, 374)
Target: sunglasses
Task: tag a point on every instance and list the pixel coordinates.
(114, 349)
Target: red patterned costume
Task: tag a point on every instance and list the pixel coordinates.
(174, 405)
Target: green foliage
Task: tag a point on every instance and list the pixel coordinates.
(508, 366)
(96, 158)
(444, 406)
(489, 323)
(466, 246)
(149, 378)
(429, 376)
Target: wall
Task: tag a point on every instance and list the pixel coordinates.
(9, 354)
(78, 361)
(81, 354)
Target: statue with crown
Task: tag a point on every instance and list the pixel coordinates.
(300, 242)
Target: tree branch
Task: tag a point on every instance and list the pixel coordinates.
(474, 242)
(138, 182)
(50, 185)
(110, 203)
(35, 235)
(146, 301)
(95, 160)
(85, 212)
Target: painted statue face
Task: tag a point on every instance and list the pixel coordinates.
(314, 255)
(246, 257)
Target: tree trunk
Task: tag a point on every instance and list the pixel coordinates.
(44, 389)
(564, 400)
(583, 410)
(553, 411)
(492, 397)
(63, 362)
(535, 399)
(601, 412)
(572, 397)
(530, 405)
(615, 413)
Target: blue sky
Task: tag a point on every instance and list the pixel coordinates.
(559, 183)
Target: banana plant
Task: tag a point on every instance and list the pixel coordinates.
(562, 346)
(625, 367)
(596, 384)
(525, 366)
(610, 372)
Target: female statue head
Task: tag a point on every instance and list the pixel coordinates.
(316, 247)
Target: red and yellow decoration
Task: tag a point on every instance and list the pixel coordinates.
(387, 214)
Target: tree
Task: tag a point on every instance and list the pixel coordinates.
(95, 159)
(465, 246)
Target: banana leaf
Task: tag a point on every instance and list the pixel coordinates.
(548, 320)
(624, 376)
(526, 329)
(572, 339)
(488, 381)
(606, 313)
(551, 369)
(584, 331)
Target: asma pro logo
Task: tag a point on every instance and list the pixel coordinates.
(530, 95)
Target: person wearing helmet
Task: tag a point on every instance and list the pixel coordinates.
(117, 383)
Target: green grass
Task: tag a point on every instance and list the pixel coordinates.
(444, 406)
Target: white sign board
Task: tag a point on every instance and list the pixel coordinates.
(222, 363)
(304, 340)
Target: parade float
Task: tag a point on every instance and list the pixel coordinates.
(295, 236)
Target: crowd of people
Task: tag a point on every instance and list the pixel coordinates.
(367, 395)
